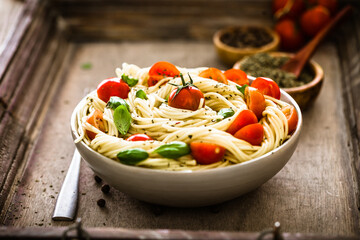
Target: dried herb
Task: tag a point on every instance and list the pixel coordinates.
(246, 37)
(264, 65)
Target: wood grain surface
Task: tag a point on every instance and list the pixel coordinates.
(315, 193)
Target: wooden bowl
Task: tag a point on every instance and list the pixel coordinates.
(306, 94)
(229, 54)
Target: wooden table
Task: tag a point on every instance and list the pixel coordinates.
(43, 77)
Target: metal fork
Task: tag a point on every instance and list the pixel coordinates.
(66, 203)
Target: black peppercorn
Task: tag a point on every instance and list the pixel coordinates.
(97, 179)
(101, 202)
(105, 188)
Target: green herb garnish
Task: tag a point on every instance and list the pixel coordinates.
(141, 94)
(132, 156)
(173, 150)
(114, 102)
(226, 112)
(122, 119)
(130, 81)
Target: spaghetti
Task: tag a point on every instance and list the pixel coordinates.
(165, 124)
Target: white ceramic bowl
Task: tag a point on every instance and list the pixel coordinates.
(190, 189)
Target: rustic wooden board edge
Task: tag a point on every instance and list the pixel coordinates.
(349, 60)
(18, 120)
(121, 233)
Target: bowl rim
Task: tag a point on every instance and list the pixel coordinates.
(116, 164)
(318, 70)
(246, 50)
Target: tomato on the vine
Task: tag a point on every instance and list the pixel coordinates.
(215, 74)
(252, 133)
(314, 19)
(186, 96)
(206, 153)
(244, 118)
(267, 86)
(139, 137)
(161, 70)
(291, 37)
(237, 76)
(112, 87)
(95, 119)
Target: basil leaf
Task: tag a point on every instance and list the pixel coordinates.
(242, 88)
(141, 94)
(114, 102)
(173, 150)
(226, 112)
(132, 156)
(130, 81)
(122, 119)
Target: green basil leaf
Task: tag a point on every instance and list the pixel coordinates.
(242, 88)
(226, 112)
(122, 119)
(173, 150)
(132, 156)
(141, 94)
(130, 81)
(114, 102)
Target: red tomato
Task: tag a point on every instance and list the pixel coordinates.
(139, 137)
(215, 74)
(206, 153)
(188, 98)
(161, 70)
(96, 119)
(314, 19)
(331, 5)
(267, 87)
(237, 76)
(291, 38)
(112, 87)
(292, 118)
(287, 8)
(245, 117)
(255, 101)
(252, 133)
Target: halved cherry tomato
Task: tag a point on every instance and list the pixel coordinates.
(245, 117)
(139, 137)
(112, 87)
(206, 153)
(252, 133)
(255, 101)
(215, 74)
(237, 76)
(161, 70)
(96, 119)
(267, 86)
(292, 118)
(186, 96)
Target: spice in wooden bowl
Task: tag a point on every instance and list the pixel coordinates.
(234, 43)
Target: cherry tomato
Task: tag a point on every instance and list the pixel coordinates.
(96, 119)
(255, 101)
(267, 86)
(252, 133)
(188, 98)
(291, 38)
(112, 87)
(331, 5)
(288, 8)
(292, 118)
(237, 76)
(245, 117)
(161, 70)
(206, 153)
(215, 74)
(314, 19)
(139, 137)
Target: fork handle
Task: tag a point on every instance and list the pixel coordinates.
(66, 204)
